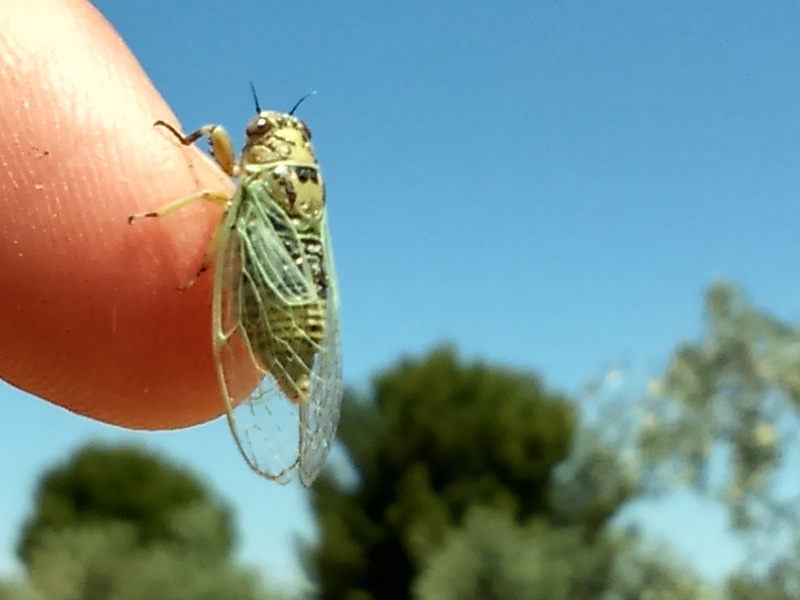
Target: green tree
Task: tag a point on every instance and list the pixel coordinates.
(434, 437)
(122, 523)
(491, 557)
(743, 586)
(16, 590)
(733, 397)
(722, 419)
(107, 562)
(127, 485)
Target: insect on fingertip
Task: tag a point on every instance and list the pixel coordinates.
(275, 334)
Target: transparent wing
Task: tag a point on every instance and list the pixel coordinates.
(319, 417)
(260, 295)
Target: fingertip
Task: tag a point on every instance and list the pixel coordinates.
(90, 318)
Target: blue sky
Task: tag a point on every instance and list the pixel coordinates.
(549, 185)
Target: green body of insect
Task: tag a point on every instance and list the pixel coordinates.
(275, 298)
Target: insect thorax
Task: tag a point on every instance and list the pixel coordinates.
(278, 151)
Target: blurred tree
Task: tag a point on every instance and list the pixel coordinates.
(16, 590)
(743, 586)
(434, 438)
(107, 562)
(722, 418)
(122, 523)
(779, 580)
(130, 486)
(595, 480)
(491, 557)
(731, 399)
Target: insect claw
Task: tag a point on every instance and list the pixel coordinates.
(197, 275)
(187, 285)
(132, 218)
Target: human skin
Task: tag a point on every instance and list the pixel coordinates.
(91, 317)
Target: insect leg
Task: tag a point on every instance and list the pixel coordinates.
(215, 196)
(210, 253)
(218, 138)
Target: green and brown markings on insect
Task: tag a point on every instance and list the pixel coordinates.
(274, 287)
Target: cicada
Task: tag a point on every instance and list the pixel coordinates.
(275, 306)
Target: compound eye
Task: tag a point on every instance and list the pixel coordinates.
(258, 125)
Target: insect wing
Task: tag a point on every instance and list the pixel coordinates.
(256, 279)
(319, 417)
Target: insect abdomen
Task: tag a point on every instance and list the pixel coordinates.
(285, 339)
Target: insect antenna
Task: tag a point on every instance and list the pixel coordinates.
(299, 102)
(255, 97)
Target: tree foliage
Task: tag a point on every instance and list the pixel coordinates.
(107, 562)
(744, 586)
(122, 523)
(731, 397)
(721, 418)
(433, 438)
(124, 485)
(595, 481)
(491, 557)
(18, 590)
